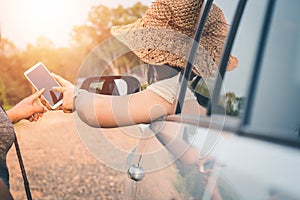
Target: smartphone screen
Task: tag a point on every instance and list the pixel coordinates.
(40, 78)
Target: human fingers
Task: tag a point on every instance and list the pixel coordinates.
(35, 116)
(37, 94)
(41, 113)
(59, 89)
(67, 110)
(45, 103)
(43, 100)
(59, 107)
(30, 118)
(38, 107)
(61, 80)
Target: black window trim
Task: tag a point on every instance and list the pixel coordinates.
(203, 15)
(258, 62)
(243, 129)
(214, 100)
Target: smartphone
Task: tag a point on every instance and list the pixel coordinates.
(40, 77)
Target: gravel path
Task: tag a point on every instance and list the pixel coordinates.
(59, 167)
(57, 164)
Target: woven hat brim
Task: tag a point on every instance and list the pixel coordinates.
(159, 46)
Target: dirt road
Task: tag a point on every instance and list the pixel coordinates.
(59, 166)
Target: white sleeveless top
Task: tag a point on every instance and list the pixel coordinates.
(168, 89)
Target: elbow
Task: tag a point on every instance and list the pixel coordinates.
(86, 112)
(87, 118)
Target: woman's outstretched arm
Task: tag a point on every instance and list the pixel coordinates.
(112, 111)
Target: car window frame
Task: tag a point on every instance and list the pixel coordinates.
(222, 66)
(187, 72)
(258, 62)
(243, 125)
(214, 100)
(246, 128)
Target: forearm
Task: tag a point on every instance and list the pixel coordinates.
(12, 115)
(112, 111)
(103, 110)
(93, 110)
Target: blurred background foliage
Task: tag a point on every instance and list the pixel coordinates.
(64, 61)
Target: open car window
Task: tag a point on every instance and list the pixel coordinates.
(213, 39)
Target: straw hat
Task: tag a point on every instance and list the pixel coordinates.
(165, 34)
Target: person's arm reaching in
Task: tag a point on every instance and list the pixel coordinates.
(29, 108)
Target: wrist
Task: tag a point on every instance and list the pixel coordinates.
(76, 95)
(12, 116)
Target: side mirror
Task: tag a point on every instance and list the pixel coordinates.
(111, 85)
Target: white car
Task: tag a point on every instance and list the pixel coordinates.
(250, 149)
(246, 146)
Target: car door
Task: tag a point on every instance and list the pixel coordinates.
(167, 171)
(260, 161)
(252, 150)
(256, 156)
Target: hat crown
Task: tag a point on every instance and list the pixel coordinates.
(165, 33)
(178, 15)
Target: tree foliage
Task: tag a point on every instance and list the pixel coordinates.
(64, 61)
(233, 104)
(100, 20)
(96, 32)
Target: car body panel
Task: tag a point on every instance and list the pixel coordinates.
(254, 155)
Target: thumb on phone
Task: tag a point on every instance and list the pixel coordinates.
(59, 89)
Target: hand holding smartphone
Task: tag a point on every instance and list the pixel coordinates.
(40, 77)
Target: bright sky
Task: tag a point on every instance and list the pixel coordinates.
(23, 21)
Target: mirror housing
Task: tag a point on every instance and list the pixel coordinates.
(111, 85)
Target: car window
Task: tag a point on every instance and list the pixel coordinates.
(275, 109)
(217, 39)
(236, 82)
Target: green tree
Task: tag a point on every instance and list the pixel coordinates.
(63, 61)
(14, 84)
(66, 61)
(97, 30)
(233, 104)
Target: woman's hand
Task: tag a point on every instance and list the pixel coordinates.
(67, 89)
(29, 108)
